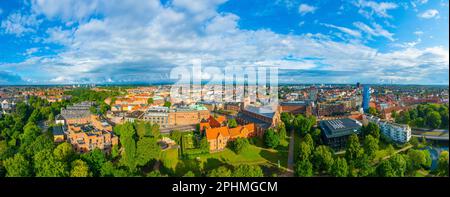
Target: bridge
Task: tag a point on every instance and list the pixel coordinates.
(431, 134)
(432, 137)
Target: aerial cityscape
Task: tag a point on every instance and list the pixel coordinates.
(224, 88)
(315, 130)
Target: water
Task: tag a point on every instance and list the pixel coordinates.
(435, 151)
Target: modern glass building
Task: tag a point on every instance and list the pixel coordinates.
(366, 98)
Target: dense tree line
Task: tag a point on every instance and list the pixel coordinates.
(237, 171)
(86, 94)
(28, 150)
(315, 159)
(425, 116)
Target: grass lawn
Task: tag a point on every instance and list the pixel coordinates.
(421, 173)
(255, 154)
(380, 154)
(169, 158)
(297, 141)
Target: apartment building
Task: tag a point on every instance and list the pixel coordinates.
(77, 114)
(400, 133)
(178, 116)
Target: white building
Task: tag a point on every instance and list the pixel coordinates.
(400, 133)
(5, 105)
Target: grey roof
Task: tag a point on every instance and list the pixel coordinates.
(340, 127)
(261, 111)
(59, 117)
(258, 122)
(58, 130)
(79, 110)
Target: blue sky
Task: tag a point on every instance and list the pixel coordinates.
(321, 41)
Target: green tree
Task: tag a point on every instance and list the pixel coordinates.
(107, 169)
(419, 159)
(248, 171)
(79, 169)
(385, 169)
(339, 168)
(30, 132)
(304, 124)
(399, 165)
(271, 138)
(309, 140)
(442, 168)
(315, 134)
(17, 166)
(373, 111)
(370, 146)
(147, 150)
(3, 148)
(353, 151)
(95, 159)
(150, 101)
(304, 151)
(282, 132)
(433, 119)
(323, 158)
(167, 104)
(364, 167)
(239, 145)
(143, 129)
(176, 136)
(63, 152)
(232, 123)
(42, 142)
(304, 168)
(115, 152)
(221, 171)
(46, 165)
(127, 135)
(189, 174)
(371, 129)
(204, 145)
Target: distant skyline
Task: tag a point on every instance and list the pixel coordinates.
(136, 41)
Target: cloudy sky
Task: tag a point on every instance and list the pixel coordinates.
(317, 41)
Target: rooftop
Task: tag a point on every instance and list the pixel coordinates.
(264, 111)
(58, 130)
(340, 127)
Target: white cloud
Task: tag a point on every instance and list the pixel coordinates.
(408, 44)
(31, 51)
(301, 23)
(422, 1)
(344, 29)
(428, 14)
(18, 24)
(418, 33)
(289, 4)
(377, 30)
(124, 46)
(304, 9)
(380, 9)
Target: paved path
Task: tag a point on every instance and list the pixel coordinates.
(290, 162)
(396, 152)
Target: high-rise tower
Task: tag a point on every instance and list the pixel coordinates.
(366, 98)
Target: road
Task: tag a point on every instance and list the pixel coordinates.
(396, 152)
(430, 134)
(431, 137)
(178, 128)
(290, 163)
